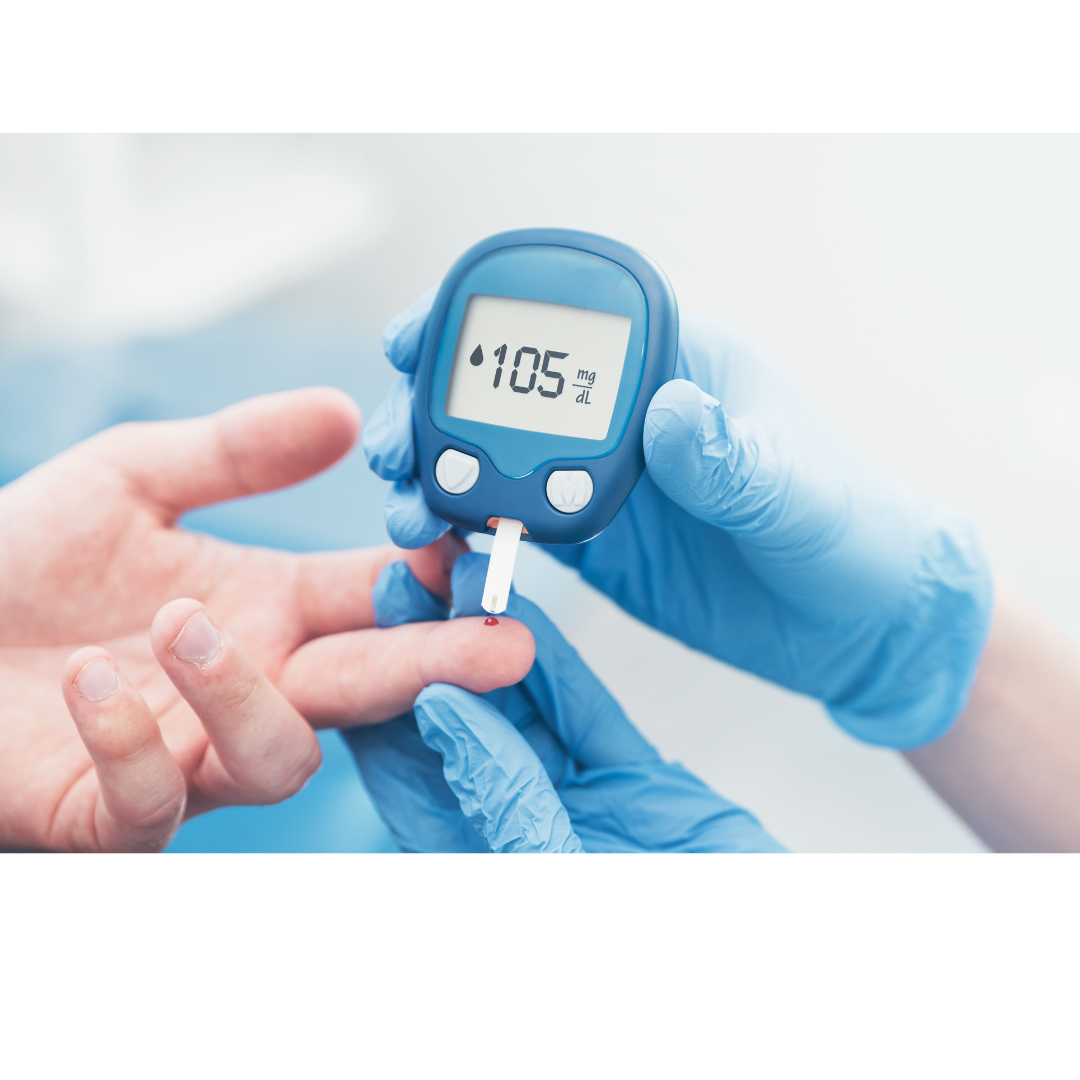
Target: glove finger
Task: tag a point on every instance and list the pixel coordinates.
(388, 435)
(572, 701)
(500, 784)
(398, 598)
(404, 778)
(404, 332)
(703, 461)
(732, 474)
(409, 519)
(467, 584)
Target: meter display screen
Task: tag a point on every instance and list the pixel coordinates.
(538, 366)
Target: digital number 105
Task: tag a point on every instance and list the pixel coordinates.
(538, 367)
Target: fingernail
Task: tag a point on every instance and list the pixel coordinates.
(198, 642)
(97, 680)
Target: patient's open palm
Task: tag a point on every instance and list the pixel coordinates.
(181, 705)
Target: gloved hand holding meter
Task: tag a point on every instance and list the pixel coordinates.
(536, 389)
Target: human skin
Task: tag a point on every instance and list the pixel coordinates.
(1010, 765)
(149, 673)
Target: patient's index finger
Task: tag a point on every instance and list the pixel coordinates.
(367, 676)
(264, 443)
(334, 589)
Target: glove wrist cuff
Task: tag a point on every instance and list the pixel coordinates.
(923, 664)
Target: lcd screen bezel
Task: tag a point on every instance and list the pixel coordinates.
(556, 275)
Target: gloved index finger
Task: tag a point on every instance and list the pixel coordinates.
(404, 332)
(388, 435)
(572, 701)
(409, 520)
(500, 783)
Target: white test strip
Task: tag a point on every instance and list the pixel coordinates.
(501, 567)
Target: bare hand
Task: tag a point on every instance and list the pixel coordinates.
(182, 705)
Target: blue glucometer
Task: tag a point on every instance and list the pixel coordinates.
(542, 352)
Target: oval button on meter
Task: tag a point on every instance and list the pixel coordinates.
(569, 490)
(456, 472)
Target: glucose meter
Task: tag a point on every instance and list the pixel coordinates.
(542, 352)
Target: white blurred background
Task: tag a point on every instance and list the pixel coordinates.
(922, 291)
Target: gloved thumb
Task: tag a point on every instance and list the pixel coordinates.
(467, 584)
(708, 464)
(398, 598)
(499, 781)
(785, 504)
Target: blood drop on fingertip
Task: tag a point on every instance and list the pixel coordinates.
(491, 622)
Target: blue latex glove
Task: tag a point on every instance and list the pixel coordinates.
(761, 536)
(551, 764)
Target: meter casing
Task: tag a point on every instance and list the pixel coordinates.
(558, 266)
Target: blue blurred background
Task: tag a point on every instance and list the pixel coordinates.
(922, 290)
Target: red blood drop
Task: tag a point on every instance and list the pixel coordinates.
(491, 621)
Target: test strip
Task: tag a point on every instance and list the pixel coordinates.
(501, 567)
